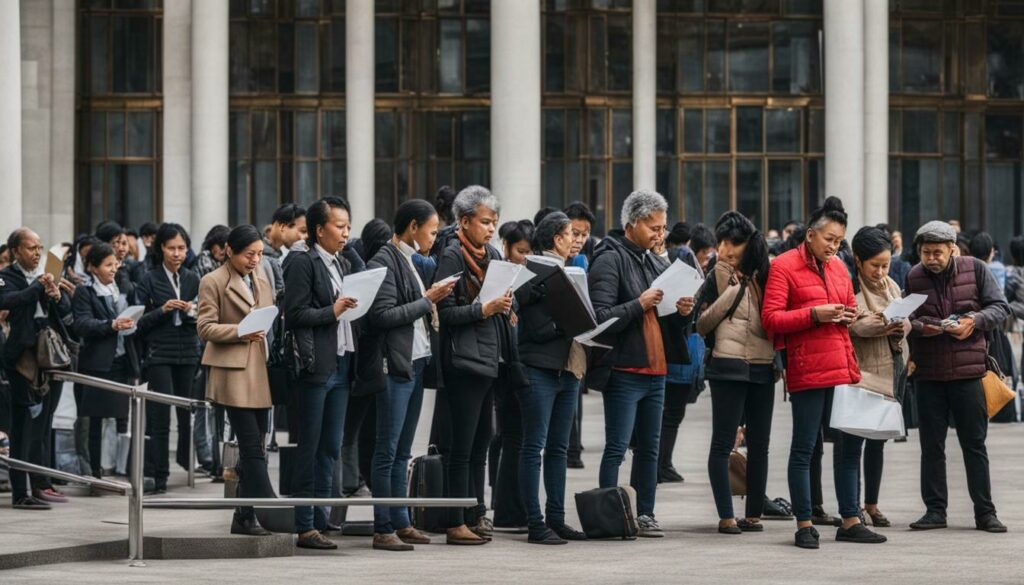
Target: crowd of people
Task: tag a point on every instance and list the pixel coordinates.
(804, 306)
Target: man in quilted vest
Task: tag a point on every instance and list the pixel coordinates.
(947, 345)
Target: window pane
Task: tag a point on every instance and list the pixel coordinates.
(816, 183)
(1006, 59)
(96, 198)
(286, 120)
(99, 72)
(598, 53)
(693, 131)
(140, 134)
(716, 56)
(785, 192)
(716, 191)
(306, 58)
(920, 131)
(133, 62)
(748, 129)
(478, 55)
(98, 135)
(386, 53)
(554, 190)
(1002, 136)
(337, 72)
(333, 181)
(783, 128)
(305, 181)
(796, 59)
(596, 133)
(264, 134)
(666, 132)
(238, 141)
(951, 188)
(138, 197)
(622, 133)
(922, 56)
(384, 134)
(1002, 195)
(748, 57)
(919, 187)
(572, 134)
(476, 138)
(554, 134)
(451, 56)
(264, 191)
(693, 186)
(748, 189)
(238, 204)
(951, 133)
(718, 131)
(597, 193)
(261, 54)
(620, 53)
(115, 134)
(333, 134)
(816, 131)
(667, 183)
(554, 53)
(690, 56)
(305, 134)
(307, 8)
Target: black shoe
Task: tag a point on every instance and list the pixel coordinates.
(930, 521)
(248, 527)
(566, 532)
(731, 529)
(575, 464)
(819, 517)
(315, 541)
(807, 537)
(749, 525)
(545, 536)
(777, 509)
(330, 529)
(669, 475)
(30, 503)
(859, 533)
(990, 523)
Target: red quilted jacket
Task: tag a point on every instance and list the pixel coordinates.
(818, 356)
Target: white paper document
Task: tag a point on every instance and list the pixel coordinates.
(133, 312)
(588, 337)
(502, 276)
(258, 320)
(363, 287)
(680, 281)
(578, 278)
(902, 308)
(453, 278)
(547, 260)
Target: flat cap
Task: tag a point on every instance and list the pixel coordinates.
(935, 231)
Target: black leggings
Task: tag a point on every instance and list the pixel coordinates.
(874, 457)
(471, 406)
(730, 402)
(250, 426)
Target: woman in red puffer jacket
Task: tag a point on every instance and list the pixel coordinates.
(808, 305)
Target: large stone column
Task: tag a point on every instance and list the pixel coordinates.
(10, 116)
(844, 106)
(209, 116)
(515, 108)
(62, 121)
(876, 111)
(645, 35)
(177, 123)
(360, 80)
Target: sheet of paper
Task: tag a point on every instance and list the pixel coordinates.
(450, 279)
(546, 260)
(578, 278)
(680, 280)
(501, 276)
(588, 337)
(133, 312)
(258, 320)
(363, 287)
(900, 309)
(55, 261)
(525, 275)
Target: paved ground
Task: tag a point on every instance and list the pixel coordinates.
(691, 552)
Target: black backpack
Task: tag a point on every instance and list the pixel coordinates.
(426, 480)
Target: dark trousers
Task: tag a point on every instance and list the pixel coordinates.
(730, 402)
(507, 501)
(20, 429)
(874, 458)
(250, 426)
(965, 400)
(575, 451)
(175, 380)
(676, 395)
(633, 401)
(470, 400)
(353, 446)
(41, 449)
(96, 442)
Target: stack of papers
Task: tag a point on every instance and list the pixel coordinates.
(679, 281)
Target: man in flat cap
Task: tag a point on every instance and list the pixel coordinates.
(948, 347)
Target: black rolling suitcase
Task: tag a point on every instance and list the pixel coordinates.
(426, 480)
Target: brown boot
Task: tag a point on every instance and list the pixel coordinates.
(412, 536)
(464, 536)
(389, 542)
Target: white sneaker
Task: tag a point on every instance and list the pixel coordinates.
(649, 527)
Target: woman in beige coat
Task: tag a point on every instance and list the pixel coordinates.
(877, 343)
(238, 371)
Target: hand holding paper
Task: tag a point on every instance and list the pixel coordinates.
(502, 276)
(363, 287)
(588, 337)
(900, 309)
(679, 281)
(258, 321)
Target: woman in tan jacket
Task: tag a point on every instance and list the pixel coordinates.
(238, 373)
(877, 343)
(740, 371)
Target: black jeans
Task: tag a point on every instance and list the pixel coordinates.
(676, 395)
(250, 426)
(874, 458)
(20, 429)
(40, 451)
(730, 402)
(508, 504)
(575, 451)
(965, 400)
(470, 401)
(176, 380)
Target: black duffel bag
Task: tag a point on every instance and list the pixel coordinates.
(608, 513)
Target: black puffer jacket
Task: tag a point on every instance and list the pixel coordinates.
(542, 343)
(620, 273)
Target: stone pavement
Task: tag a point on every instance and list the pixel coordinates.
(691, 552)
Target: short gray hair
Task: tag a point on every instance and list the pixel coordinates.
(640, 205)
(470, 198)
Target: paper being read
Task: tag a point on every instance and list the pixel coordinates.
(578, 278)
(588, 337)
(680, 280)
(902, 308)
(502, 276)
(363, 287)
(133, 312)
(257, 321)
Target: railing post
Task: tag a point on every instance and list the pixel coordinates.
(135, 531)
(191, 448)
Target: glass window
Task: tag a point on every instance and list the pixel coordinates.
(666, 131)
(693, 131)
(478, 55)
(748, 56)
(622, 134)
(1006, 59)
(693, 191)
(718, 134)
(749, 129)
(796, 57)
(715, 56)
(783, 130)
(1003, 136)
(451, 56)
(922, 56)
(306, 51)
(716, 190)
(920, 131)
(919, 187)
(385, 34)
(749, 188)
(785, 192)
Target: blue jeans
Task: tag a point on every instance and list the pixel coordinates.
(398, 411)
(809, 409)
(321, 420)
(548, 406)
(633, 400)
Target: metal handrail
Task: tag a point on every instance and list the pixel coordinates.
(142, 390)
(226, 503)
(118, 487)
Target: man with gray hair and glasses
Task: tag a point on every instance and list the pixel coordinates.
(949, 349)
(632, 374)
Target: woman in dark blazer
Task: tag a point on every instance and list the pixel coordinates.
(169, 292)
(476, 339)
(313, 306)
(401, 317)
(105, 351)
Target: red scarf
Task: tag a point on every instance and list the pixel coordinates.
(476, 260)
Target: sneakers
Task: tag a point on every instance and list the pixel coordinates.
(50, 495)
(668, 474)
(930, 521)
(649, 527)
(990, 524)
(30, 503)
(314, 540)
(566, 532)
(807, 537)
(545, 536)
(859, 533)
(390, 542)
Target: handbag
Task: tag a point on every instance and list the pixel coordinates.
(997, 393)
(608, 513)
(738, 473)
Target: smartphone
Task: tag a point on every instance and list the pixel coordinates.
(950, 322)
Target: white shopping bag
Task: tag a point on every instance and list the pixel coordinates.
(866, 414)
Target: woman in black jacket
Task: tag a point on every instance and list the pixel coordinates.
(555, 364)
(476, 344)
(105, 351)
(170, 292)
(401, 317)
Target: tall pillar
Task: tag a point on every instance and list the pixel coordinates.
(10, 116)
(876, 111)
(360, 84)
(515, 108)
(844, 106)
(209, 116)
(645, 35)
(177, 125)
(62, 120)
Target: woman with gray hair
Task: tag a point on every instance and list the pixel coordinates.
(477, 348)
(632, 374)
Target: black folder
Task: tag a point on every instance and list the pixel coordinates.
(567, 309)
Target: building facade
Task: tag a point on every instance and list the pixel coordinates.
(216, 111)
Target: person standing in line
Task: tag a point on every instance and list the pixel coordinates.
(287, 227)
(947, 344)
(169, 292)
(632, 374)
(877, 343)
(238, 374)
(582, 221)
(400, 317)
(808, 306)
(741, 371)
